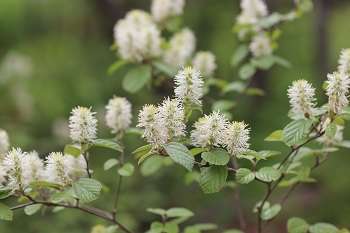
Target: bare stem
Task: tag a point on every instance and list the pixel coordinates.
(120, 181)
(236, 197)
(86, 157)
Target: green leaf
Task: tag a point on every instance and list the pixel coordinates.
(255, 91)
(145, 156)
(171, 227)
(107, 144)
(5, 212)
(159, 211)
(117, 65)
(244, 176)
(87, 189)
(345, 144)
(233, 231)
(216, 156)
(60, 196)
(271, 212)
(275, 136)
(72, 150)
(178, 212)
(303, 174)
(268, 174)
(294, 131)
(297, 225)
(223, 105)
(213, 178)
(237, 86)
(5, 193)
(151, 165)
(196, 151)
(110, 163)
(136, 78)
(112, 229)
(180, 154)
(246, 71)
(45, 184)
(322, 227)
(174, 23)
(331, 130)
(270, 20)
(339, 121)
(305, 5)
(241, 52)
(58, 209)
(139, 152)
(126, 170)
(268, 153)
(165, 67)
(282, 62)
(264, 62)
(156, 227)
(32, 209)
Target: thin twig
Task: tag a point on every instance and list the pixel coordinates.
(120, 181)
(86, 157)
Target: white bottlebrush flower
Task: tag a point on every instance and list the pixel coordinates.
(260, 45)
(163, 9)
(118, 115)
(82, 125)
(36, 166)
(301, 97)
(2, 175)
(171, 118)
(137, 36)
(149, 120)
(57, 168)
(189, 86)
(4, 143)
(236, 138)
(77, 165)
(181, 48)
(209, 130)
(205, 63)
(337, 91)
(344, 61)
(17, 167)
(255, 9)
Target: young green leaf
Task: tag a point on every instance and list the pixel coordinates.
(151, 165)
(60, 196)
(275, 136)
(110, 163)
(156, 211)
(271, 212)
(322, 227)
(213, 178)
(196, 151)
(246, 71)
(178, 212)
(244, 176)
(45, 184)
(87, 189)
(223, 105)
(268, 174)
(5, 212)
(331, 130)
(165, 67)
(126, 170)
(72, 150)
(216, 156)
(241, 52)
(117, 65)
(264, 62)
(32, 209)
(297, 225)
(294, 131)
(145, 156)
(282, 62)
(136, 78)
(5, 193)
(108, 144)
(180, 154)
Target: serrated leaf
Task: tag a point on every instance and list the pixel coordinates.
(216, 156)
(196, 151)
(271, 212)
(178, 212)
(223, 105)
(294, 131)
(322, 227)
(246, 71)
(59, 197)
(244, 176)
(72, 150)
(331, 130)
(45, 184)
(151, 165)
(126, 170)
(5, 193)
(5, 212)
(264, 62)
(297, 225)
(268, 153)
(87, 189)
(142, 150)
(180, 154)
(107, 144)
(136, 78)
(110, 163)
(213, 178)
(165, 67)
(241, 52)
(32, 209)
(275, 136)
(268, 174)
(156, 211)
(117, 65)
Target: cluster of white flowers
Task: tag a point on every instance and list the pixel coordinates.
(301, 95)
(163, 9)
(58, 168)
(189, 86)
(82, 125)
(118, 115)
(163, 123)
(260, 45)
(204, 61)
(236, 138)
(344, 61)
(77, 166)
(337, 91)
(137, 36)
(4, 143)
(36, 166)
(181, 48)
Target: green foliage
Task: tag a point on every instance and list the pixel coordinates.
(5, 193)
(136, 78)
(87, 189)
(32, 209)
(244, 176)
(270, 212)
(212, 178)
(246, 71)
(297, 225)
(72, 150)
(268, 174)
(107, 144)
(5, 212)
(126, 170)
(110, 163)
(165, 67)
(117, 65)
(180, 154)
(264, 62)
(275, 136)
(294, 132)
(216, 156)
(239, 55)
(46, 184)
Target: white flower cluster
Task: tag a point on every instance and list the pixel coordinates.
(181, 48)
(58, 168)
(163, 9)
(337, 91)
(4, 143)
(344, 61)
(137, 36)
(260, 45)
(215, 130)
(301, 95)
(204, 61)
(118, 116)
(82, 125)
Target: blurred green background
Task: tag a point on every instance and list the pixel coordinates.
(54, 55)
